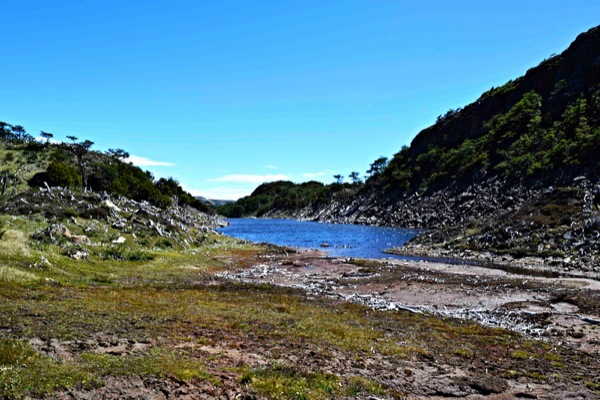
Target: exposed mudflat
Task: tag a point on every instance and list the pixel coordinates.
(561, 311)
(527, 304)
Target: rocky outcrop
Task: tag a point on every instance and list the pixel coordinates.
(445, 208)
(178, 223)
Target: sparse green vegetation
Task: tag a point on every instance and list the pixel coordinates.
(287, 197)
(517, 144)
(157, 362)
(279, 382)
(520, 355)
(24, 371)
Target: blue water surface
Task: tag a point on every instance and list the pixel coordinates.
(343, 240)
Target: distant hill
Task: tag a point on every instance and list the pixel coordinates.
(523, 159)
(214, 202)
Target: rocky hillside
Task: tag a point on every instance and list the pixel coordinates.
(514, 174)
(89, 203)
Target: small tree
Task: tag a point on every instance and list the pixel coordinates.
(378, 166)
(117, 153)
(81, 150)
(19, 133)
(47, 136)
(355, 178)
(339, 179)
(5, 130)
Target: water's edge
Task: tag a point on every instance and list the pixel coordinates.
(357, 241)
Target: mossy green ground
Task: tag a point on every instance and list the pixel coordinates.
(176, 320)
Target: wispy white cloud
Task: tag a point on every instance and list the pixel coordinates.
(43, 140)
(146, 162)
(221, 193)
(248, 178)
(270, 166)
(311, 175)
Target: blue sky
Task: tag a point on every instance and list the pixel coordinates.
(224, 95)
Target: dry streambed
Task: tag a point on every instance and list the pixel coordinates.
(552, 309)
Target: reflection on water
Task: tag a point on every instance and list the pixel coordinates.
(336, 239)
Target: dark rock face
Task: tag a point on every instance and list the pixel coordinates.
(445, 208)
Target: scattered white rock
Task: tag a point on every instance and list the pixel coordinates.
(110, 205)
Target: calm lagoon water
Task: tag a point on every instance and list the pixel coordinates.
(343, 240)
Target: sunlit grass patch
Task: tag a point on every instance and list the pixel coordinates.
(122, 253)
(283, 382)
(26, 225)
(278, 381)
(23, 372)
(537, 375)
(13, 242)
(595, 386)
(521, 355)
(11, 274)
(160, 363)
(357, 385)
(463, 352)
(512, 374)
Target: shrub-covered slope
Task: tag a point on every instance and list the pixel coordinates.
(284, 198)
(28, 163)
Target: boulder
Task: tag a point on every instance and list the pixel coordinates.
(78, 254)
(110, 205)
(80, 239)
(59, 230)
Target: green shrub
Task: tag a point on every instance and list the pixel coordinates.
(97, 213)
(60, 173)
